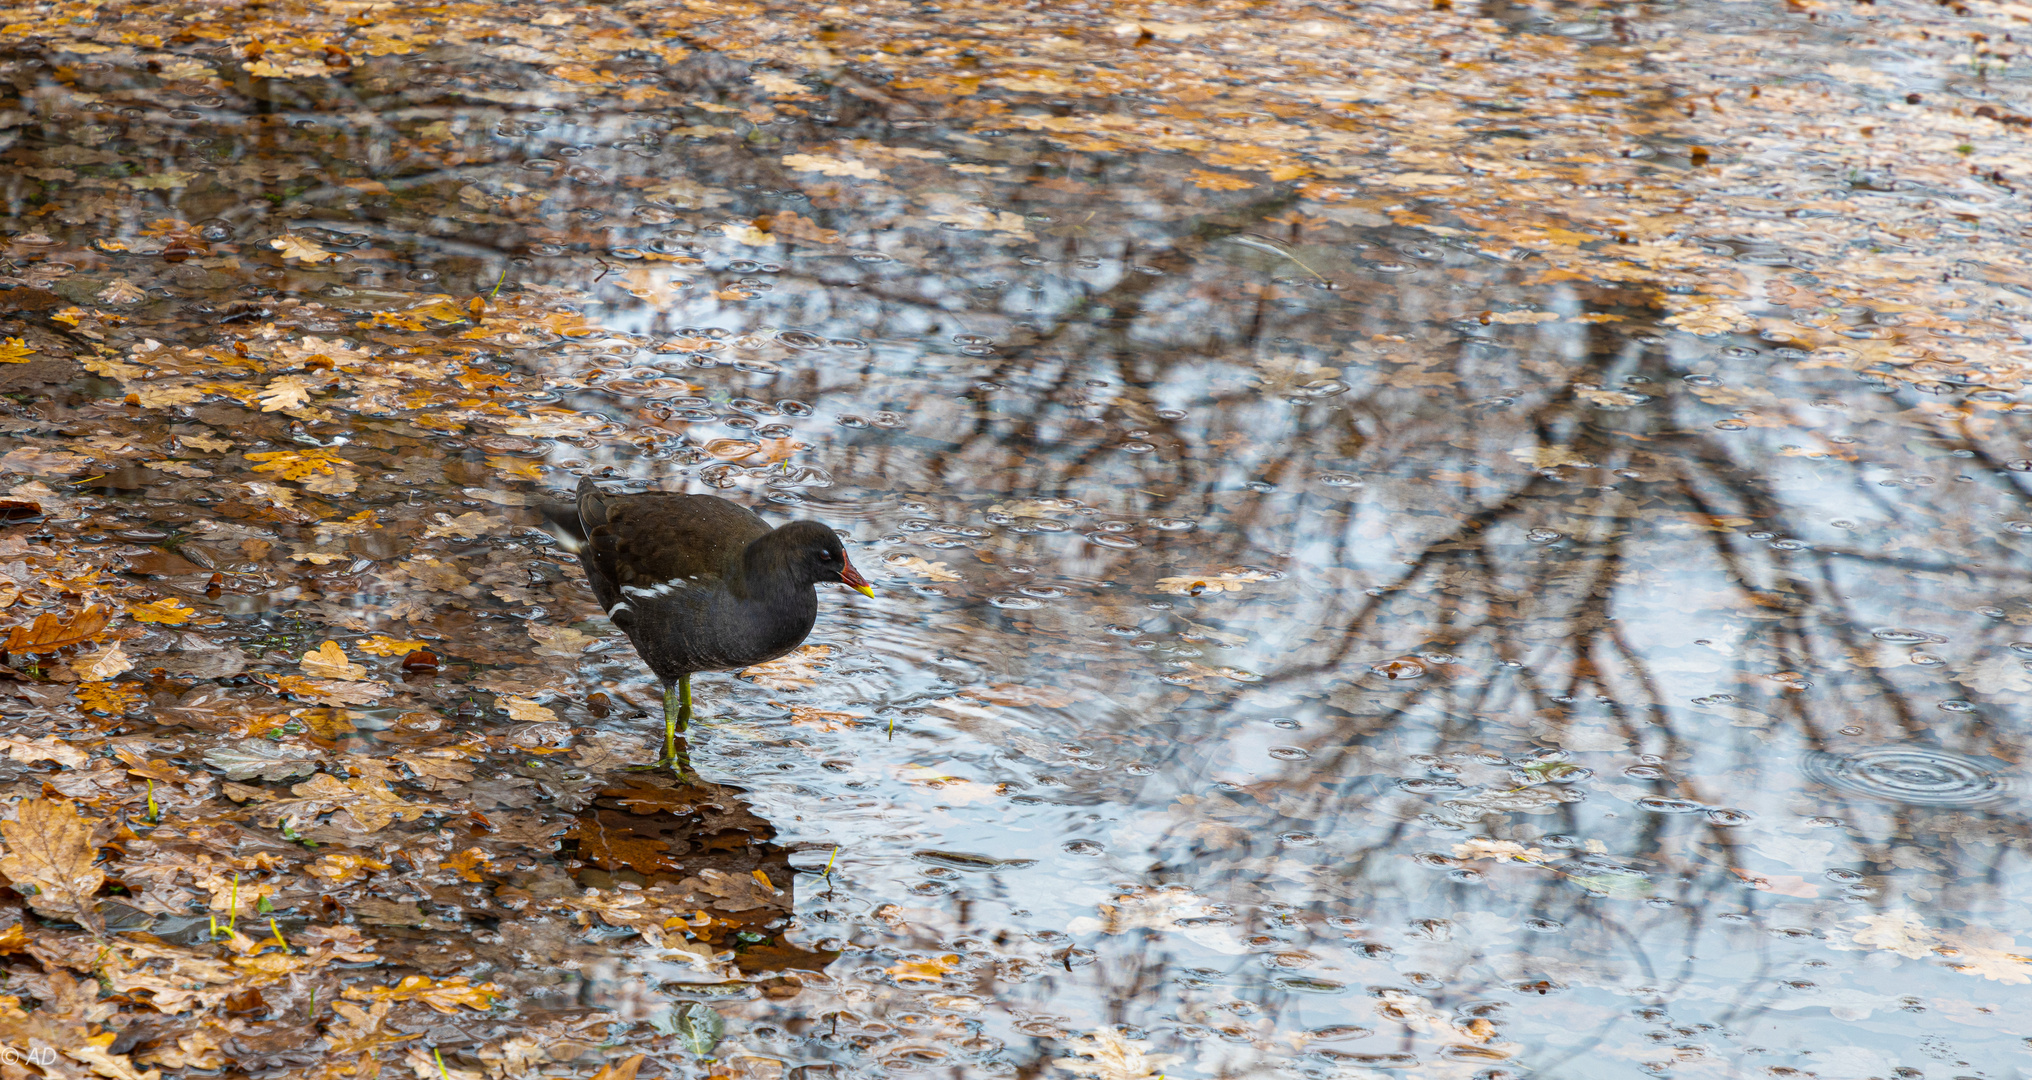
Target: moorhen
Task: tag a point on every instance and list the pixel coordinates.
(699, 583)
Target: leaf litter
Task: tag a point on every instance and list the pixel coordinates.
(1254, 405)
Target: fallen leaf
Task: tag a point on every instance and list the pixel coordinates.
(831, 166)
(527, 711)
(297, 247)
(103, 664)
(107, 698)
(383, 645)
(48, 633)
(329, 661)
(169, 611)
(796, 671)
(445, 997)
(1107, 1054)
(931, 969)
(917, 567)
(329, 691)
(287, 392)
(49, 846)
(1233, 581)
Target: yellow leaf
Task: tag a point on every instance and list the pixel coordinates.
(515, 468)
(296, 247)
(930, 970)
(168, 611)
(1213, 181)
(328, 723)
(299, 464)
(107, 698)
(383, 645)
(445, 997)
(329, 661)
(340, 867)
(329, 692)
(15, 351)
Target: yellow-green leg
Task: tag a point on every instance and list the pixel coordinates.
(676, 718)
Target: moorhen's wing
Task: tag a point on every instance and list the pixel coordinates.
(650, 546)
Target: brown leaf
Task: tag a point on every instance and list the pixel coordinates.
(1017, 695)
(329, 692)
(369, 801)
(48, 633)
(50, 847)
(102, 665)
(46, 748)
(787, 224)
(620, 1071)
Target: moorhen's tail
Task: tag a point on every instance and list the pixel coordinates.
(571, 521)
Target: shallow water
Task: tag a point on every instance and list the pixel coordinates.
(1323, 626)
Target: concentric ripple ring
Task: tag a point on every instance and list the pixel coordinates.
(1910, 775)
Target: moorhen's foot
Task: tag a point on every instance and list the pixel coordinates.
(676, 723)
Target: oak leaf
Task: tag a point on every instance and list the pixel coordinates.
(46, 748)
(103, 664)
(917, 567)
(48, 633)
(798, 670)
(369, 802)
(1213, 181)
(930, 969)
(286, 392)
(383, 645)
(49, 846)
(831, 166)
(527, 711)
(297, 247)
(169, 611)
(107, 698)
(788, 225)
(329, 691)
(1106, 1054)
(445, 997)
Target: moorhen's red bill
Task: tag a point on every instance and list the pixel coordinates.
(699, 583)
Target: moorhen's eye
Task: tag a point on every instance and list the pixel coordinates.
(825, 556)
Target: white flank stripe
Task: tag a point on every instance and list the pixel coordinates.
(664, 588)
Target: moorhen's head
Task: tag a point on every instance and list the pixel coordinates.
(813, 553)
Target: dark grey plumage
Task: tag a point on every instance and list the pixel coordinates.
(699, 583)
